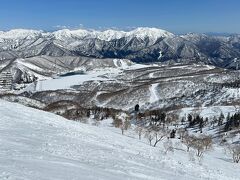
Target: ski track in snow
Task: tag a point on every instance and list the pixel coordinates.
(153, 90)
(43, 146)
(153, 93)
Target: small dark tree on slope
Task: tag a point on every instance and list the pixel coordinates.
(190, 119)
(221, 119)
(137, 107)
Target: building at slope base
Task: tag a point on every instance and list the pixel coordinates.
(6, 81)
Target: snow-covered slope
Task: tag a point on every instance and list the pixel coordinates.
(43, 146)
(46, 67)
(19, 34)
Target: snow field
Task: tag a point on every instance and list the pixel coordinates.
(41, 145)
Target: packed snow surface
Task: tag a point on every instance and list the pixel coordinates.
(68, 81)
(95, 75)
(40, 145)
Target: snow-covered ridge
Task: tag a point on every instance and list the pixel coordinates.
(19, 34)
(107, 35)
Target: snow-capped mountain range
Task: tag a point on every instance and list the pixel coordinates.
(107, 35)
(139, 45)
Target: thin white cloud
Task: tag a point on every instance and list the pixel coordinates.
(80, 26)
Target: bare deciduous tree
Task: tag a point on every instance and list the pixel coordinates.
(117, 122)
(157, 134)
(139, 130)
(207, 141)
(125, 126)
(172, 118)
(149, 135)
(95, 122)
(234, 150)
(199, 144)
(187, 140)
(181, 132)
(168, 146)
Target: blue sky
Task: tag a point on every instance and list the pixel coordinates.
(177, 16)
